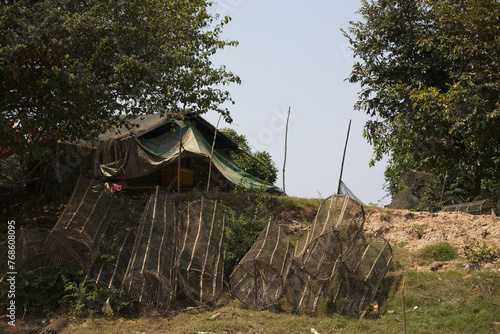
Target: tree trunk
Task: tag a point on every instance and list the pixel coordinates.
(477, 183)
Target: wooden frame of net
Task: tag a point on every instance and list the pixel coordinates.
(362, 271)
(259, 278)
(482, 207)
(304, 292)
(151, 273)
(337, 226)
(200, 264)
(111, 274)
(31, 258)
(76, 235)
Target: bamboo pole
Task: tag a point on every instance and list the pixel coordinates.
(212, 153)
(179, 162)
(181, 126)
(343, 156)
(220, 251)
(284, 160)
(403, 300)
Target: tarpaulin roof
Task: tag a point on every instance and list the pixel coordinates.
(155, 124)
(146, 154)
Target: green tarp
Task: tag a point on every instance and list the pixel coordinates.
(144, 156)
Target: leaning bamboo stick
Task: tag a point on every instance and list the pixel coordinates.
(204, 266)
(221, 252)
(403, 301)
(276, 246)
(212, 154)
(284, 160)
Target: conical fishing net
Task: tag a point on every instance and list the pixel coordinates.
(258, 280)
(201, 257)
(74, 240)
(151, 276)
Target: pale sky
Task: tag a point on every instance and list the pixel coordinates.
(292, 53)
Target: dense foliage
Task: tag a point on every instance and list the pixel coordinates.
(69, 70)
(258, 164)
(243, 225)
(430, 77)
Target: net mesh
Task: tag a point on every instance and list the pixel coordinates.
(483, 207)
(415, 180)
(360, 275)
(304, 292)
(336, 229)
(110, 272)
(417, 188)
(201, 257)
(30, 258)
(338, 224)
(76, 235)
(323, 255)
(344, 190)
(179, 247)
(258, 280)
(150, 275)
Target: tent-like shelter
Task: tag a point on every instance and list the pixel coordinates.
(149, 153)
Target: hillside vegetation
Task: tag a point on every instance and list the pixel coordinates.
(446, 289)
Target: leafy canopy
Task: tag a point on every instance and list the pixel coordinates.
(430, 78)
(258, 164)
(70, 70)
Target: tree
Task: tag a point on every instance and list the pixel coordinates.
(70, 70)
(258, 164)
(430, 77)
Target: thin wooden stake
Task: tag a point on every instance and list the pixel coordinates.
(343, 156)
(403, 299)
(179, 162)
(286, 138)
(181, 126)
(212, 153)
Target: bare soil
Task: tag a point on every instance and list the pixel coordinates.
(418, 229)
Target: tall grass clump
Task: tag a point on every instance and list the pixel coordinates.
(441, 251)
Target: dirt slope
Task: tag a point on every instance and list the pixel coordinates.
(419, 229)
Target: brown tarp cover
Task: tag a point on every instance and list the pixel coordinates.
(132, 157)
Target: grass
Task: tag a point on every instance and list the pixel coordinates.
(455, 301)
(287, 209)
(441, 251)
(448, 302)
(309, 206)
(435, 302)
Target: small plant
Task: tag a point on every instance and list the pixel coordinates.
(441, 251)
(107, 248)
(418, 230)
(83, 301)
(43, 296)
(428, 200)
(478, 253)
(243, 226)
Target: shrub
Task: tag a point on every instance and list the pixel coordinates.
(62, 290)
(82, 301)
(441, 251)
(478, 253)
(243, 226)
(43, 296)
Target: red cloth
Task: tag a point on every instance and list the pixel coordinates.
(118, 186)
